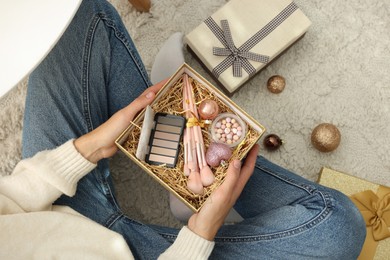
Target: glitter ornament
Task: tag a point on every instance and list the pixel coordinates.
(276, 84)
(272, 142)
(325, 137)
(216, 153)
(208, 109)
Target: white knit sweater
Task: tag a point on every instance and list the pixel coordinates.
(32, 228)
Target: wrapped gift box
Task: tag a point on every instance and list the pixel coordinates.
(169, 100)
(373, 201)
(243, 36)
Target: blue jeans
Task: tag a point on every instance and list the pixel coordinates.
(94, 71)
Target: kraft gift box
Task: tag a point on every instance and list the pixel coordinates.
(373, 201)
(169, 100)
(243, 37)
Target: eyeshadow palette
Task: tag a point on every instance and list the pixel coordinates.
(165, 139)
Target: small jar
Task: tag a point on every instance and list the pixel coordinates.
(229, 129)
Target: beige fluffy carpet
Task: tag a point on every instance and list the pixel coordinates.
(338, 73)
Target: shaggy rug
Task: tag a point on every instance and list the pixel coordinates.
(338, 73)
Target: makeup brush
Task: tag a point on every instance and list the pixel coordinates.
(185, 142)
(190, 157)
(206, 175)
(191, 168)
(194, 183)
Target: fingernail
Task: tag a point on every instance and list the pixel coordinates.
(237, 164)
(149, 95)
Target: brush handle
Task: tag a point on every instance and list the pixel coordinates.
(197, 130)
(191, 167)
(207, 176)
(185, 142)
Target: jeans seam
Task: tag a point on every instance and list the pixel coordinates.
(86, 59)
(113, 219)
(324, 214)
(86, 99)
(85, 75)
(305, 187)
(111, 196)
(120, 36)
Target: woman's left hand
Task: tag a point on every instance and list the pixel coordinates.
(211, 216)
(100, 143)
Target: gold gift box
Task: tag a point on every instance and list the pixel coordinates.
(169, 100)
(352, 187)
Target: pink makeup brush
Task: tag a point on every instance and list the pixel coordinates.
(185, 142)
(191, 168)
(206, 175)
(194, 182)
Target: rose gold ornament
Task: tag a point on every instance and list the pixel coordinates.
(276, 84)
(216, 153)
(208, 109)
(325, 137)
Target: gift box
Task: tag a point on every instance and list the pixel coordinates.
(169, 100)
(373, 201)
(244, 36)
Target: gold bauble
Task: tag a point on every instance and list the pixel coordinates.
(276, 84)
(325, 137)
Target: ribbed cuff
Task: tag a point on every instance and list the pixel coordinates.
(189, 245)
(63, 167)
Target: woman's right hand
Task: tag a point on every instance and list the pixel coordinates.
(211, 217)
(100, 143)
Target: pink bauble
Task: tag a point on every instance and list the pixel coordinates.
(216, 153)
(208, 109)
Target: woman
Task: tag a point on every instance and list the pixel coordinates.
(77, 104)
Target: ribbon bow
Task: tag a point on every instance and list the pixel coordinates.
(237, 57)
(375, 209)
(194, 121)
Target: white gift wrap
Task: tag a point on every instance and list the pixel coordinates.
(246, 18)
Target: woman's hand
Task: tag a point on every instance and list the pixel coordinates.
(211, 217)
(100, 143)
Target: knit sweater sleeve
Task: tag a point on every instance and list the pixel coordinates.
(188, 245)
(38, 181)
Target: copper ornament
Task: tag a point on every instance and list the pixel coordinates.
(272, 142)
(208, 109)
(325, 137)
(276, 84)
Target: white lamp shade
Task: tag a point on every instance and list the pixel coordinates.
(28, 31)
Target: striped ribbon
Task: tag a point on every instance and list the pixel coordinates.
(238, 57)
